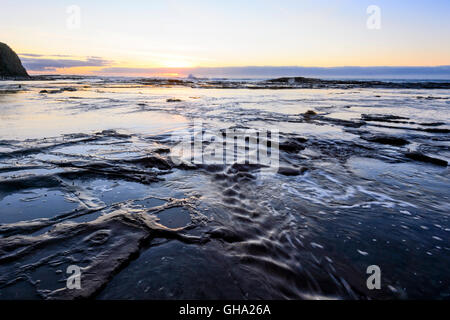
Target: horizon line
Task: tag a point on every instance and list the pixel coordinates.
(91, 69)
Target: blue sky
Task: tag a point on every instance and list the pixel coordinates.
(188, 34)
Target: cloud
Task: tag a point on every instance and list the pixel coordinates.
(36, 55)
(31, 55)
(35, 62)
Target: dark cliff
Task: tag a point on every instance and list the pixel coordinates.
(10, 64)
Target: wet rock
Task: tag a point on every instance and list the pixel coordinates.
(291, 146)
(153, 162)
(436, 130)
(384, 139)
(300, 139)
(50, 91)
(10, 64)
(309, 114)
(244, 167)
(342, 122)
(417, 156)
(431, 124)
(430, 130)
(211, 167)
(290, 171)
(162, 150)
(381, 117)
(113, 133)
(68, 89)
(302, 82)
(432, 98)
(58, 90)
(398, 119)
(338, 149)
(294, 80)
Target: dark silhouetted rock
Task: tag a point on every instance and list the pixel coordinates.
(295, 80)
(302, 82)
(291, 146)
(310, 113)
(290, 171)
(61, 90)
(383, 139)
(423, 158)
(383, 118)
(10, 64)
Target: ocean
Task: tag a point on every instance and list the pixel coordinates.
(215, 189)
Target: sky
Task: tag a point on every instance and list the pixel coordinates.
(173, 37)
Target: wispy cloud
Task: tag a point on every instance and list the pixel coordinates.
(38, 55)
(37, 62)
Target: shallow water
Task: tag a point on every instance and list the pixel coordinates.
(92, 177)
